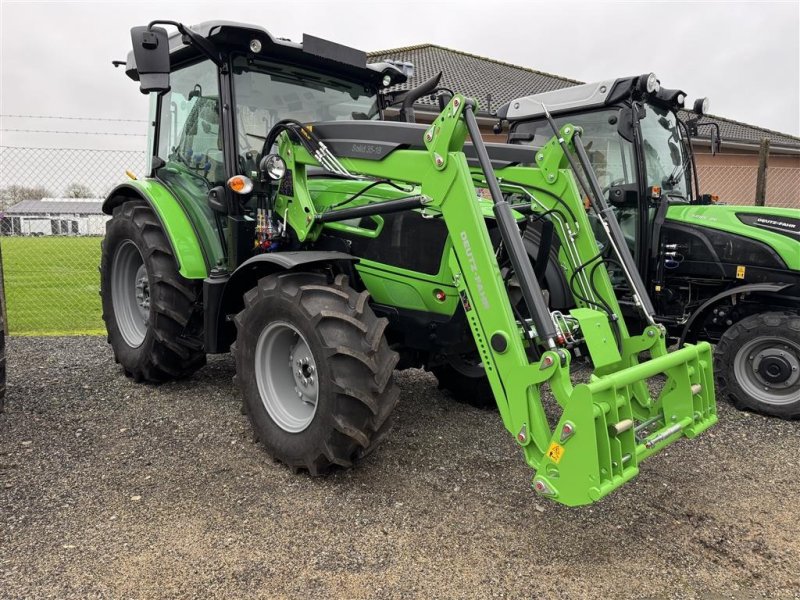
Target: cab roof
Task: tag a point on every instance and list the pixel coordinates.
(313, 52)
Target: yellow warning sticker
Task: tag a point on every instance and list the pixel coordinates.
(555, 452)
(740, 272)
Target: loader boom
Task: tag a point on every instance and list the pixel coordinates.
(607, 425)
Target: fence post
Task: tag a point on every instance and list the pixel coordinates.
(761, 181)
(3, 314)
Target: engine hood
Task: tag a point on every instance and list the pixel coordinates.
(779, 228)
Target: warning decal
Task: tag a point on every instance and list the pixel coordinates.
(555, 452)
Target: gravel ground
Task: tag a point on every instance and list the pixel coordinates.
(112, 489)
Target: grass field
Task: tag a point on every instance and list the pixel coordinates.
(52, 285)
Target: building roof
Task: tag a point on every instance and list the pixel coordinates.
(472, 75)
(44, 207)
(494, 83)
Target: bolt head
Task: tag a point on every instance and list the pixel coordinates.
(540, 486)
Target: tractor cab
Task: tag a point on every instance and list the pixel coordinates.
(635, 140)
(216, 89)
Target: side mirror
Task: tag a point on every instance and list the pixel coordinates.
(716, 141)
(625, 195)
(625, 123)
(444, 99)
(216, 199)
(151, 54)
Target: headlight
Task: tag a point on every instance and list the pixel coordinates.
(255, 46)
(652, 83)
(274, 166)
(701, 106)
(387, 80)
(681, 99)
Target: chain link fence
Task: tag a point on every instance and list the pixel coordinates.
(736, 184)
(51, 225)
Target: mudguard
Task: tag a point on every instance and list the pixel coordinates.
(699, 315)
(180, 233)
(224, 295)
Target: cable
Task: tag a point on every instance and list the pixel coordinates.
(364, 190)
(572, 284)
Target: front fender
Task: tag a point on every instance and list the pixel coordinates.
(698, 316)
(223, 296)
(176, 225)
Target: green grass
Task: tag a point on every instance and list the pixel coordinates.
(52, 285)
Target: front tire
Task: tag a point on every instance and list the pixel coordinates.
(153, 315)
(315, 371)
(758, 364)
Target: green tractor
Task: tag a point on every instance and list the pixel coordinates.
(726, 274)
(283, 220)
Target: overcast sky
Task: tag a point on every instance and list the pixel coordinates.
(56, 56)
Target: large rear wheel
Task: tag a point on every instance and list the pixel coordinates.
(153, 315)
(315, 371)
(758, 364)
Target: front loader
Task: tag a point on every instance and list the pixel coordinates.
(333, 249)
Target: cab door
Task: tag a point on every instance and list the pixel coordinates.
(189, 141)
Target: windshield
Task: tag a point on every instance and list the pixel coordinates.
(267, 92)
(664, 155)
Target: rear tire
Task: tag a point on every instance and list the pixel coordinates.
(466, 381)
(758, 364)
(315, 371)
(153, 315)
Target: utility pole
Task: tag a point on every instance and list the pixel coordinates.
(761, 181)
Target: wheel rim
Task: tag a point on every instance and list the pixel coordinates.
(287, 378)
(769, 370)
(130, 293)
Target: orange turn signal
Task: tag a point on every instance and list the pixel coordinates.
(240, 184)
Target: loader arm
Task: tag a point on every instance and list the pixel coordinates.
(608, 425)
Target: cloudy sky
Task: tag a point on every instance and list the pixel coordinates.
(56, 56)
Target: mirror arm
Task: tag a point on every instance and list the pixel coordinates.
(202, 44)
